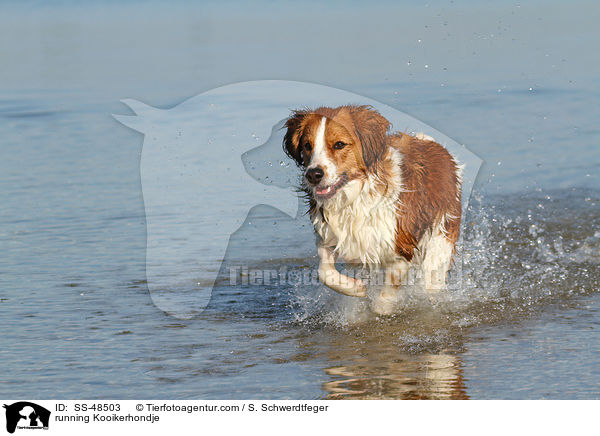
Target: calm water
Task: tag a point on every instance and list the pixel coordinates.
(516, 83)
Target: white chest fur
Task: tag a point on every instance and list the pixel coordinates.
(360, 221)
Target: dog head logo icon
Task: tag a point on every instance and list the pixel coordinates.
(24, 414)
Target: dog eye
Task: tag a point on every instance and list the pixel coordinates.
(339, 145)
(307, 146)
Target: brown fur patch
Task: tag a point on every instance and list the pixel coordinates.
(291, 140)
(430, 192)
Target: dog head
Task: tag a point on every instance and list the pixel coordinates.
(335, 146)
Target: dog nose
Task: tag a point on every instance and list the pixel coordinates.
(314, 175)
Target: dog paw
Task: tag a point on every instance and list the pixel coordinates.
(344, 285)
(353, 288)
(359, 289)
(385, 303)
(383, 306)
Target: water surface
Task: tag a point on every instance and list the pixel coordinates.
(516, 83)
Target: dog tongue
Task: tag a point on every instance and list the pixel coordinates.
(323, 191)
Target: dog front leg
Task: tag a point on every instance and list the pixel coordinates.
(332, 278)
(396, 275)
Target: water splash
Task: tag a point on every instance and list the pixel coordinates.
(518, 256)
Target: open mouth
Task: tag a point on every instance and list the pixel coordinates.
(325, 192)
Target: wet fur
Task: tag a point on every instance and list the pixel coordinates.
(401, 204)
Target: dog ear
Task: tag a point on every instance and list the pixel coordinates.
(291, 140)
(371, 128)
